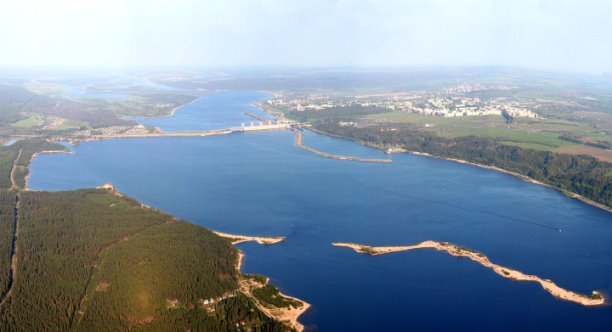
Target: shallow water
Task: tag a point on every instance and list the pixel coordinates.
(261, 184)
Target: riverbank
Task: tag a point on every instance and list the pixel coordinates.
(289, 314)
(461, 161)
(520, 176)
(548, 285)
(34, 155)
(171, 114)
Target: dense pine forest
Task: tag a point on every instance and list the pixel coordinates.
(8, 154)
(7, 211)
(95, 260)
(583, 175)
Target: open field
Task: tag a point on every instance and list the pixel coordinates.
(51, 106)
(539, 134)
(31, 122)
(601, 154)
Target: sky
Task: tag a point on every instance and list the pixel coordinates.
(564, 35)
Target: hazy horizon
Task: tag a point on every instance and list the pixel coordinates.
(566, 36)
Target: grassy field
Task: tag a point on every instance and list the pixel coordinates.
(535, 134)
(45, 108)
(579, 149)
(31, 122)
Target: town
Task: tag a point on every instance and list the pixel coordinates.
(449, 102)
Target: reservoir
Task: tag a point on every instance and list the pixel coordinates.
(261, 184)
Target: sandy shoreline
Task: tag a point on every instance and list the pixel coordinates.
(244, 238)
(288, 315)
(548, 285)
(494, 168)
(518, 175)
(461, 161)
(34, 155)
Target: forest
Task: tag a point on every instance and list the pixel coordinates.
(579, 174)
(270, 295)
(7, 208)
(17, 103)
(93, 259)
(29, 147)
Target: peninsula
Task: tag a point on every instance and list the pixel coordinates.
(452, 249)
(299, 144)
(244, 238)
(267, 298)
(125, 275)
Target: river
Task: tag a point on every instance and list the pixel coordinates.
(261, 184)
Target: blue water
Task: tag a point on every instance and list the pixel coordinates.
(218, 111)
(260, 184)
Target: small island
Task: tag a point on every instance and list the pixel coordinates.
(458, 251)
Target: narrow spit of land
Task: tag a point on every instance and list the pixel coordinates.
(548, 285)
(244, 238)
(299, 144)
(288, 314)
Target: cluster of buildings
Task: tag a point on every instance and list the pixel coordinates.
(313, 104)
(451, 102)
(451, 107)
(54, 124)
(114, 131)
(211, 301)
(473, 87)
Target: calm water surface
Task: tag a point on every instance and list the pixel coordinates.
(260, 184)
(222, 110)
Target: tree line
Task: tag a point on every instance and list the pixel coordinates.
(580, 174)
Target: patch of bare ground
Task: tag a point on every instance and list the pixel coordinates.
(605, 118)
(133, 320)
(172, 303)
(601, 154)
(288, 315)
(102, 286)
(145, 320)
(244, 238)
